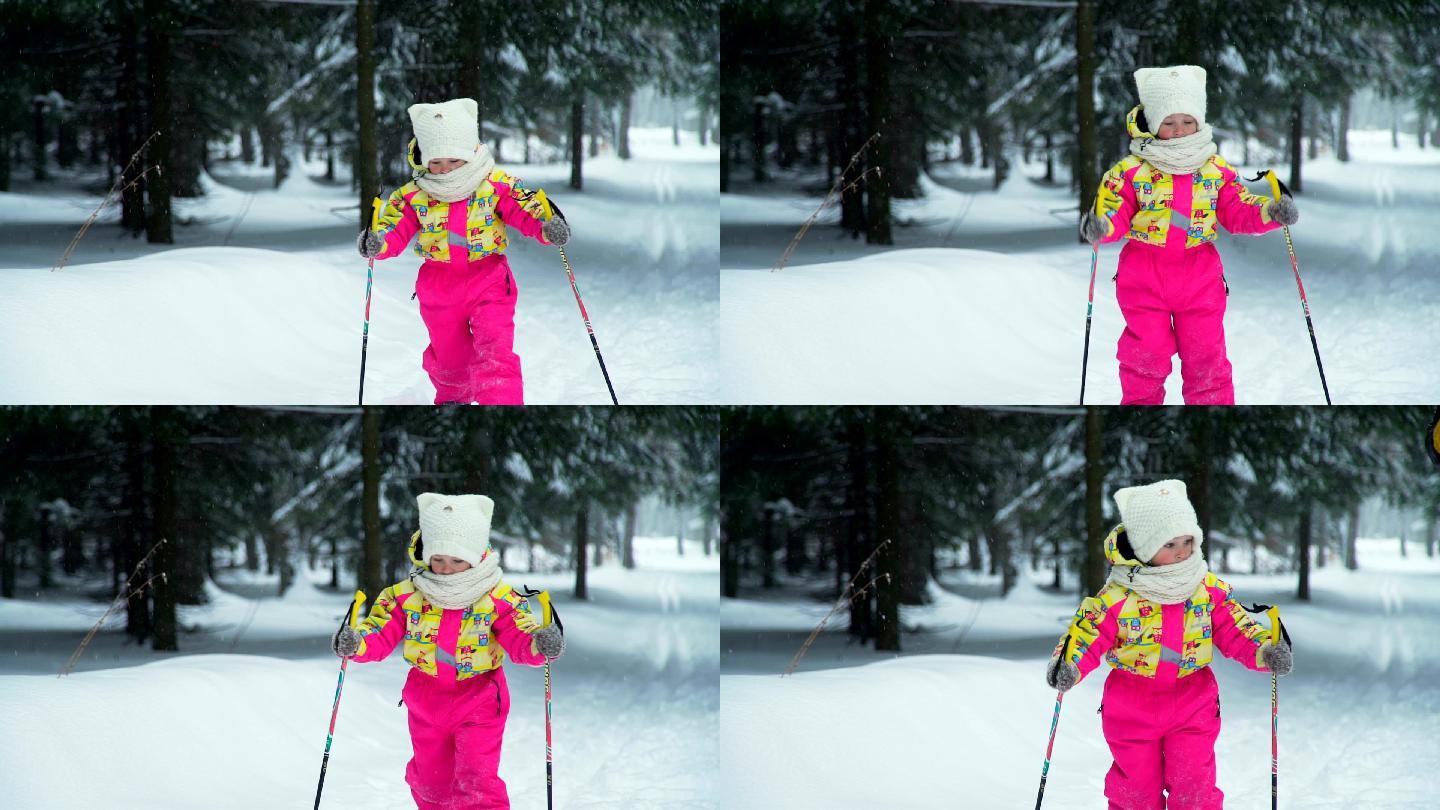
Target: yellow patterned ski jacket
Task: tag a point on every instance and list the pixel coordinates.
(1143, 203)
(1129, 632)
(450, 644)
(463, 231)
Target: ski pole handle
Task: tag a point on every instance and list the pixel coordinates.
(377, 208)
(545, 612)
(1275, 632)
(355, 608)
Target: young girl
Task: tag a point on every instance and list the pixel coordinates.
(1166, 198)
(1156, 623)
(460, 203)
(457, 621)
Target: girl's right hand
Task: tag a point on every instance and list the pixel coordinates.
(1062, 675)
(369, 244)
(346, 642)
(1093, 228)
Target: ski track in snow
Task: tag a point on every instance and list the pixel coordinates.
(997, 316)
(635, 709)
(261, 299)
(1356, 724)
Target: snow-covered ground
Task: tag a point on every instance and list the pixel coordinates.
(239, 719)
(982, 299)
(961, 718)
(262, 298)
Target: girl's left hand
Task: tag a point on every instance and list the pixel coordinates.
(1277, 658)
(549, 641)
(556, 231)
(1283, 210)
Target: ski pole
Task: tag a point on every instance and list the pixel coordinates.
(585, 316)
(1089, 311)
(1054, 723)
(351, 615)
(547, 615)
(1275, 633)
(1277, 188)
(379, 206)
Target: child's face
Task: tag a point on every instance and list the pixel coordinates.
(442, 565)
(1177, 550)
(1174, 126)
(446, 165)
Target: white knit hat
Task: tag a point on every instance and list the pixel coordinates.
(1155, 514)
(1165, 91)
(455, 525)
(450, 129)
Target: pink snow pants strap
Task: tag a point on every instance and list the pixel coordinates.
(456, 730)
(1162, 737)
(469, 311)
(1173, 300)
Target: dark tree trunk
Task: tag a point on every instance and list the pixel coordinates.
(627, 539)
(42, 560)
(38, 131)
(1202, 439)
(622, 133)
(767, 549)
(129, 132)
(7, 564)
(729, 558)
(1085, 171)
(757, 142)
(72, 557)
(1297, 121)
(1303, 553)
(1092, 568)
(4, 159)
(877, 94)
(1049, 158)
(334, 563)
(859, 537)
(680, 533)
(967, 146)
(166, 529)
(1352, 530)
(724, 174)
(330, 155)
(702, 127)
(1342, 136)
(597, 128)
(367, 174)
(887, 528)
(582, 527)
(133, 532)
(707, 540)
(371, 556)
(252, 553)
(577, 135)
(1059, 562)
(850, 139)
(157, 57)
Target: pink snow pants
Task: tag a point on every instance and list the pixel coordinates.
(469, 311)
(1173, 300)
(456, 730)
(1162, 735)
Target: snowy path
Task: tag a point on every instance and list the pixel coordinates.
(636, 703)
(261, 299)
(938, 730)
(982, 300)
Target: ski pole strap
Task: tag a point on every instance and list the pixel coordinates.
(1276, 187)
(1275, 617)
(548, 610)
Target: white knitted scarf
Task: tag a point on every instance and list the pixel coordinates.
(460, 590)
(1183, 155)
(459, 184)
(1166, 584)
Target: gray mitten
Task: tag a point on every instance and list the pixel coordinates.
(1283, 210)
(1277, 658)
(556, 231)
(346, 642)
(1062, 675)
(1093, 228)
(369, 244)
(550, 641)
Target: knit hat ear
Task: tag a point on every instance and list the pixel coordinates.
(450, 129)
(1155, 514)
(1165, 91)
(455, 525)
